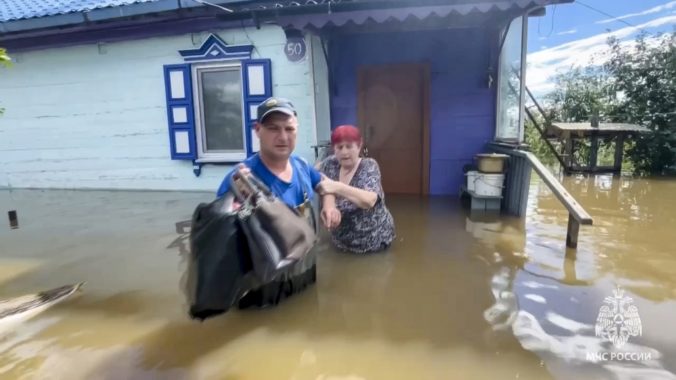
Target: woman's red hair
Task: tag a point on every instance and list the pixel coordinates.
(345, 133)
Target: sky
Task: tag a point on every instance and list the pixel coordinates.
(570, 34)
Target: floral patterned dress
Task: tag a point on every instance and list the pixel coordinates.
(361, 231)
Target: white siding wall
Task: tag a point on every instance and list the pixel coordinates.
(79, 118)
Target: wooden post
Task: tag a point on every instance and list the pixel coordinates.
(569, 270)
(573, 230)
(619, 151)
(593, 151)
(13, 219)
(568, 151)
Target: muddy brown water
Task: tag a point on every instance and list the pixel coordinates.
(459, 296)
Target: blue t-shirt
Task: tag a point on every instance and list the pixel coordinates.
(305, 178)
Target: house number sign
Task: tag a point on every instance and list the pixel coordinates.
(295, 49)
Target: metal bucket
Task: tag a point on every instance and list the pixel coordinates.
(491, 162)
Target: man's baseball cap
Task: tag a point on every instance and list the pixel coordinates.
(272, 105)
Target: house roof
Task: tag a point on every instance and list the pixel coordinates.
(26, 19)
(11, 10)
(14, 10)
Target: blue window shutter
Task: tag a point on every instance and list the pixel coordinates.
(180, 113)
(257, 86)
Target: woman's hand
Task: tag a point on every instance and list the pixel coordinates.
(330, 217)
(328, 186)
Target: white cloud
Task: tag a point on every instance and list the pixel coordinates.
(656, 9)
(543, 64)
(571, 31)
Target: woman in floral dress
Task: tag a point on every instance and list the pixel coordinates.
(366, 224)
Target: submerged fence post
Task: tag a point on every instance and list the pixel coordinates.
(573, 230)
(13, 219)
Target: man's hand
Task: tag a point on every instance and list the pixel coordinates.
(330, 217)
(242, 171)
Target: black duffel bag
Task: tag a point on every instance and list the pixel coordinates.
(220, 272)
(219, 265)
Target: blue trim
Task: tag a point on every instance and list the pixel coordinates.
(267, 72)
(186, 102)
(214, 48)
(250, 123)
(256, 99)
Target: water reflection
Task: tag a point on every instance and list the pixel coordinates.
(552, 308)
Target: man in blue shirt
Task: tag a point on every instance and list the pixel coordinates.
(288, 176)
(293, 181)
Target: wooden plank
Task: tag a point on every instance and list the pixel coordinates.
(561, 193)
(603, 127)
(573, 231)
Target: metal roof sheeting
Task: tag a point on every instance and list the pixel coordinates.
(24, 9)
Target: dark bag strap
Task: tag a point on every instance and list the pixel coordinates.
(257, 187)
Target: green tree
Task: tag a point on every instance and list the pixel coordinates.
(637, 85)
(5, 60)
(646, 74)
(579, 93)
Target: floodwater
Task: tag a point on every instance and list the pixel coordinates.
(459, 296)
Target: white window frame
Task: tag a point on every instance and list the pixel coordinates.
(522, 84)
(202, 155)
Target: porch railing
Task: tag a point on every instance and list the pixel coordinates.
(542, 129)
(518, 178)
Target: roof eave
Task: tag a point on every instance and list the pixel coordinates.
(23, 34)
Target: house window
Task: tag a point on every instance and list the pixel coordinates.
(510, 87)
(219, 112)
(211, 102)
